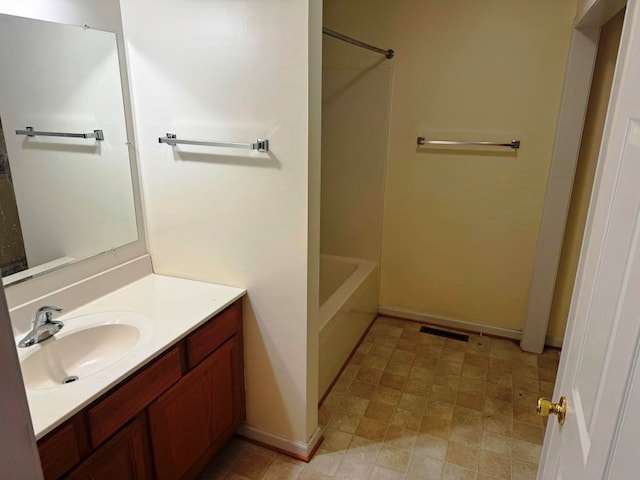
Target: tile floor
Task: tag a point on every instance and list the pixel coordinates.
(415, 406)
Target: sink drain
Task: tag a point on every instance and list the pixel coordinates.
(70, 379)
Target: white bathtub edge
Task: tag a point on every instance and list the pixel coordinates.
(332, 306)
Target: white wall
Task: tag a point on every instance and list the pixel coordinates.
(236, 70)
(74, 196)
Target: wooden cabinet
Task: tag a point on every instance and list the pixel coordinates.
(189, 420)
(174, 414)
(124, 457)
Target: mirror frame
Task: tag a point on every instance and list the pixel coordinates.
(105, 16)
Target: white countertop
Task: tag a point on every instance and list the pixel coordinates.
(174, 307)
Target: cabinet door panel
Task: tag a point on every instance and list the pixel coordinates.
(222, 391)
(190, 421)
(179, 422)
(124, 457)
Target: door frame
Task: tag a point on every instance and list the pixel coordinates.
(591, 15)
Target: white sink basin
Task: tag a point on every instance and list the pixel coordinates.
(84, 347)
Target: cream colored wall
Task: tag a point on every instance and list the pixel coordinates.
(460, 227)
(585, 172)
(356, 94)
(355, 119)
(236, 70)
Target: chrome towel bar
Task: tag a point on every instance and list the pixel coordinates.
(30, 132)
(515, 144)
(172, 139)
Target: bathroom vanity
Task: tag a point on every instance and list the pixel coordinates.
(164, 409)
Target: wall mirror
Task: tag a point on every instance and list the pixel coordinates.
(66, 190)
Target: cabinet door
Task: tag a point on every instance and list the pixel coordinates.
(188, 421)
(125, 457)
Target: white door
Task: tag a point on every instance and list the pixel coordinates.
(600, 358)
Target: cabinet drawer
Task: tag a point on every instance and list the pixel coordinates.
(213, 334)
(127, 401)
(59, 451)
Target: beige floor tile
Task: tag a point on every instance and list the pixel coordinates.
(474, 387)
(369, 375)
(437, 427)
(364, 449)
(353, 404)
(282, 471)
(353, 468)
(372, 429)
(452, 382)
(528, 433)
(426, 362)
(443, 393)
(495, 464)
(499, 392)
(362, 390)
(466, 435)
(492, 442)
(324, 414)
(524, 471)
(400, 369)
(415, 406)
(498, 424)
(345, 421)
(470, 400)
(424, 468)
(498, 407)
(382, 473)
(463, 456)
(473, 372)
(309, 474)
(374, 362)
(408, 344)
(381, 412)
(336, 440)
(501, 364)
(526, 451)
(476, 360)
(390, 380)
(400, 437)
(446, 367)
(413, 403)
(406, 419)
(455, 472)
(467, 416)
(386, 395)
(417, 387)
(430, 446)
(381, 351)
(393, 458)
(252, 465)
(440, 409)
(422, 374)
(455, 356)
(325, 462)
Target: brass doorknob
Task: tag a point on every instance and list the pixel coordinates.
(546, 407)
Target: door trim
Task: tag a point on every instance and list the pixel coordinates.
(575, 98)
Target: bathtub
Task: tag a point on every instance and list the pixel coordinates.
(348, 305)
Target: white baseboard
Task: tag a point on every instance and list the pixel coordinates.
(295, 449)
(460, 324)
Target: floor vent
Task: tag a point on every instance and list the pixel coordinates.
(443, 333)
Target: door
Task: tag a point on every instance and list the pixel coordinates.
(600, 357)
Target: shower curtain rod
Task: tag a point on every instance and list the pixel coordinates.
(332, 33)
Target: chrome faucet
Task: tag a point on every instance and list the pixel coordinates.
(43, 327)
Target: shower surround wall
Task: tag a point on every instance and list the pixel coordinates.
(460, 226)
(236, 70)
